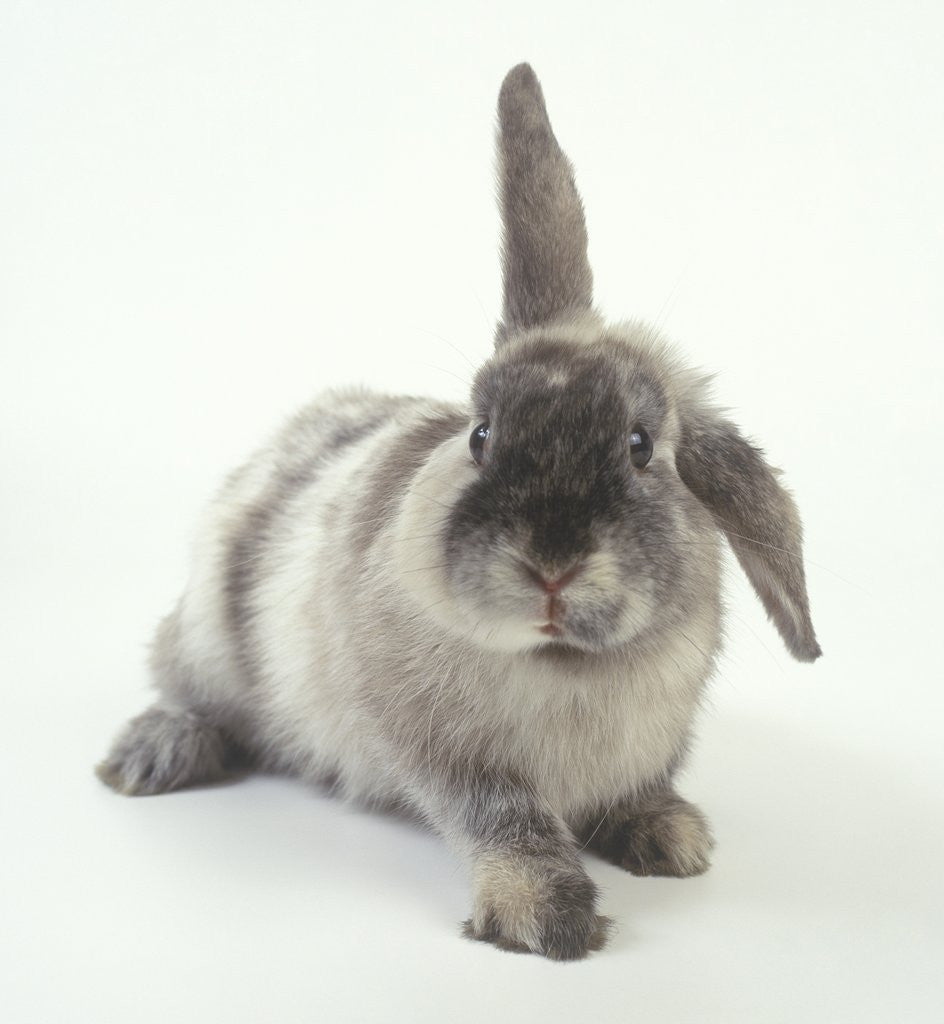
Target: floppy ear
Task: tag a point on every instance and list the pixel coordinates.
(544, 238)
(759, 518)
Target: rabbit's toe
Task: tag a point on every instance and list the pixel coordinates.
(163, 749)
(674, 841)
(528, 905)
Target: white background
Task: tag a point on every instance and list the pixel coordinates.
(210, 210)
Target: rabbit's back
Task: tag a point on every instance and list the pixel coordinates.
(260, 639)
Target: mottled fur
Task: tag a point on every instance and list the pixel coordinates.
(656, 833)
(515, 650)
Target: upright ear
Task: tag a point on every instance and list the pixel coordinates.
(759, 518)
(544, 237)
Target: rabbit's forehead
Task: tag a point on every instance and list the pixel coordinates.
(560, 382)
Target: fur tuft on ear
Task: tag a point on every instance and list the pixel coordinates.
(759, 518)
(544, 237)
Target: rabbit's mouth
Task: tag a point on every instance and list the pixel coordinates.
(592, 628)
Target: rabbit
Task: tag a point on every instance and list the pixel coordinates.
(499, 617)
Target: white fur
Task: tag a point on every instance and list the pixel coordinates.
(586, 737)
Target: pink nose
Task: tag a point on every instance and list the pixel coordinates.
(554, 586)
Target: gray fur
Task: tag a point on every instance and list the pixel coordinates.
(164, 748)
(513, 648)
(390, 477)
(561, 902)
(759, 518)
(301, 453)
(516, 837)
(653, 833)
(544, 240)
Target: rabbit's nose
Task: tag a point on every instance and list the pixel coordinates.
(553, 584)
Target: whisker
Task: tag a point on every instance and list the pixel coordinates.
(757, 637)
(712, 661)
(446, 341)
(246, 561)
(429, 607)
(426, 497)
(488, 323)
(773, 547)
(429, 731)
(599, 824)
(387, 519)
(442, 369)
(422, 536)
(659, 323)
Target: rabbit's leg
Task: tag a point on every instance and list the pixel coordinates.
(531, 892)
(185, 739)
(165, 748)
(654, 834)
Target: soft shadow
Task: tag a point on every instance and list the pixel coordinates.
(803, 825)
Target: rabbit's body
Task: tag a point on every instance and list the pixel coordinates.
(287, 551)
(506, 631)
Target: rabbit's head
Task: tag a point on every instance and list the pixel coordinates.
(583, 507)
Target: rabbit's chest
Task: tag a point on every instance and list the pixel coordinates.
(591, 759)
(585, 744)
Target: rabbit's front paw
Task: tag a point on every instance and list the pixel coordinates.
(164, 749)
(667, 836)
(530, 905)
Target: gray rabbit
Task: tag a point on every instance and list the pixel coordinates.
(501, 615)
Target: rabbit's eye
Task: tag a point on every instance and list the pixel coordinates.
(477, 442)
(640, 447)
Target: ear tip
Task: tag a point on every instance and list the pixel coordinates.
(807, 651)
(520, 75)
(521, 94)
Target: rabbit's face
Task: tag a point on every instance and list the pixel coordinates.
(573, 528)
(582, 509)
